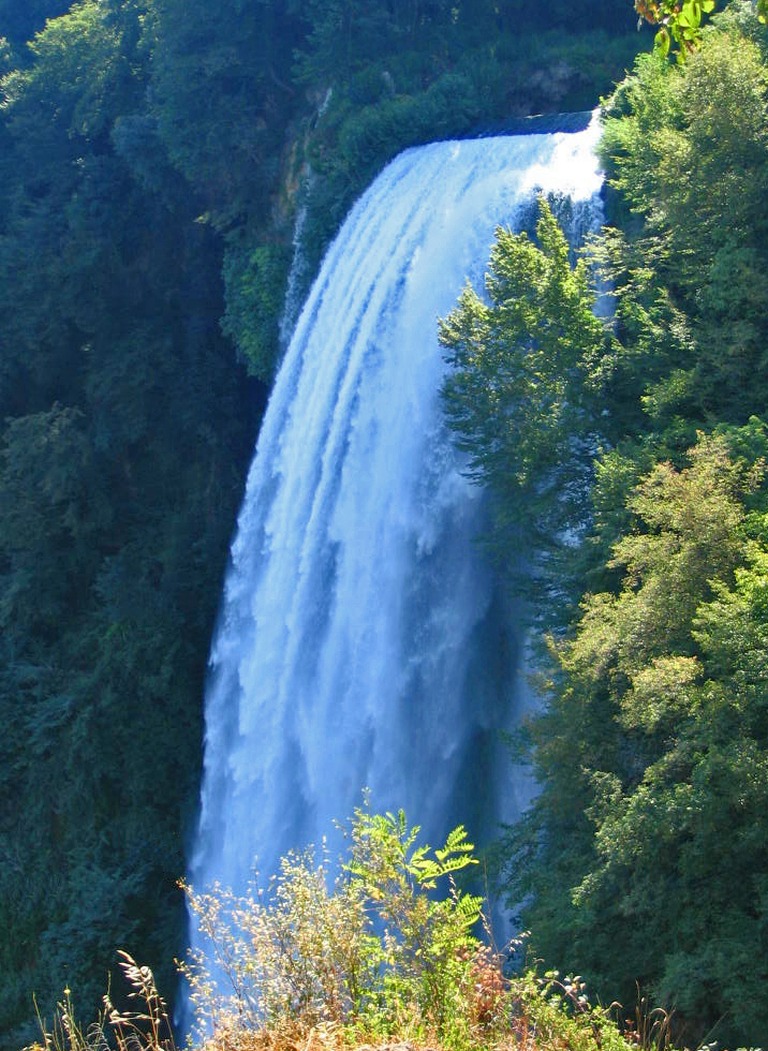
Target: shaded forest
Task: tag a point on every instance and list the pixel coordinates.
(153, 158)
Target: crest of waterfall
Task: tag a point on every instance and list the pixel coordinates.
(363, 641)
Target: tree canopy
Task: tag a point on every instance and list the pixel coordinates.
(642, 863)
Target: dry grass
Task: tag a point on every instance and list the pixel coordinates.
(143, 1025)
(536, 1020)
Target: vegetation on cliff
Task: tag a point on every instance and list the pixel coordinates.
(643, 859)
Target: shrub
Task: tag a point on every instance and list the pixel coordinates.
(376, 956)
(373, 951)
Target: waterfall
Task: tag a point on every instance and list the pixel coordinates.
(362, 640)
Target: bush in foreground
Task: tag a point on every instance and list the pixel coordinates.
(388, 952)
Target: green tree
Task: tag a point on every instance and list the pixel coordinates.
(126, 429)
(648, 760)
(20, 22)
(523, 395)
(222, 97)
(686, 148)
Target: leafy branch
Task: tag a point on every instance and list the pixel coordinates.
(680, 22)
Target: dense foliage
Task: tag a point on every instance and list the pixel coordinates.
(126, 426)
(644, 859)
(525, 394)
(153, 157)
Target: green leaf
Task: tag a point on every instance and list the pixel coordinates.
(662, 41)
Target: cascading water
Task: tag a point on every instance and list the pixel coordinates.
(362, 642)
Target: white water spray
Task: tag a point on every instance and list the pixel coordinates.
(362, 642)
